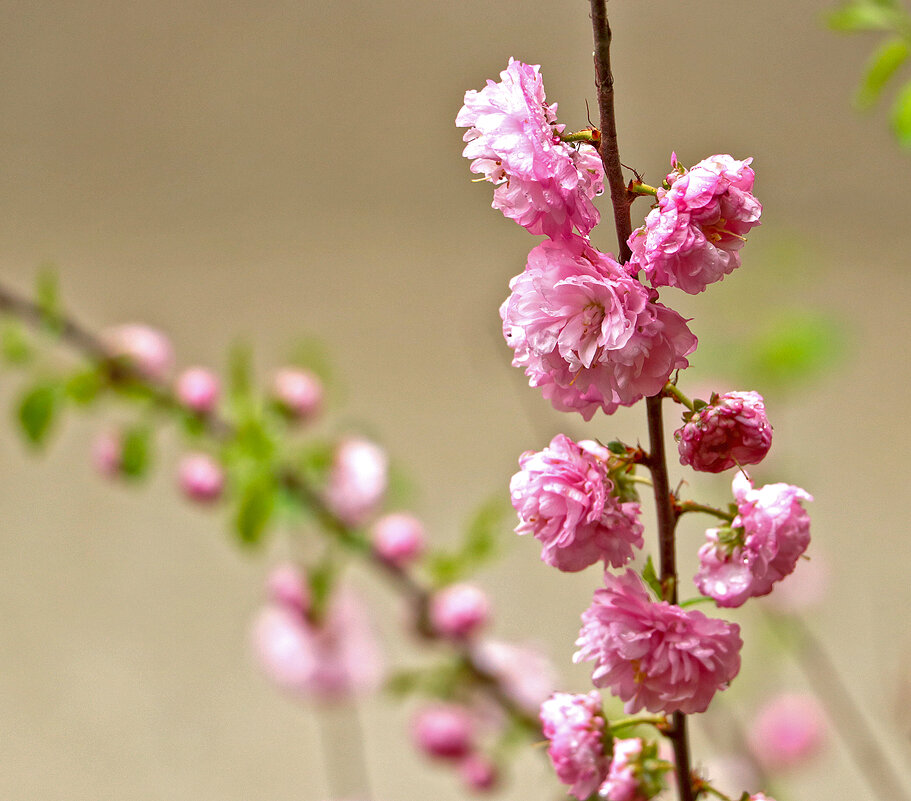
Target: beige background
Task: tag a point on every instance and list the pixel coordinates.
(262, 169)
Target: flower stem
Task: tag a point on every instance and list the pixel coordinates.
(671, 391)
(657, 462)
(639, 188)
(683, 507)
(646, 720)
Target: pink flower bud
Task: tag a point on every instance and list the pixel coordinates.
(106, 453)
(357, 481)
(444, 731)
(198, 389)
(574, 728)
(200, 477)
(398, 538)
(299, 392)
(286, 587)
(459, 610)
(145, 349)
(478, 772)
(732, 430)
(787, 731)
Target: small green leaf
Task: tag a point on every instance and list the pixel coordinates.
(257, 501)
(886, 59)
(901, 116)
(480, 539)
(14, 345)
(650, 577)
(444, 568)
(83, 387)
(136, 453)
(37, 411)
(862, 16)
(240, 374)
(616, 447)
(697, 600)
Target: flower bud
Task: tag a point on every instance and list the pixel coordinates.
(459, 610)
(286, 587)
(147, 350)
(444, 731)
(198, 390)
(357, 481)
(478, 772)
(731, 430)
(200, 477)
(398, 538)
(298, 392)
(106, 453)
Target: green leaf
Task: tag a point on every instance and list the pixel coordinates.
(886, 59)
(481, 537)
(83, 387)
(901, 116)
(444, 568)
(14, 345)
(650, 577)
(695, 601)
(616, 447)
(254, 510)
(37, 411)
(240, 374)
(863, 16)
(136, 453)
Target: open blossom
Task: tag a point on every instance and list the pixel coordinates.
(653, 655)
(761, 547)
(357, 480)
(330, 659)
(787, 731)
(694, 236)
(542, 183)
(587, 333)
(731, 430)
(621, 783)
(563, 497)
(574, 726)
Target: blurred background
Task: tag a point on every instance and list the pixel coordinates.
(261, 170)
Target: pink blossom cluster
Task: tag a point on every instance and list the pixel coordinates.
(731, 430)
(574, 728)
(694, 236)
(564, 498)
(328, 657)
(769, 534)
(447, 732)
(541, 182)
(654, 655)
(588, 334)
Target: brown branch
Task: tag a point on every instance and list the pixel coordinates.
(81, 339)
(657, 463)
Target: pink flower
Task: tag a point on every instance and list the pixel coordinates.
(445, 731)
(621, 783)
(526, 675)
(693, 237)
(459, 610)
(286, 587)
(761, 547)
(478, 772)
(198, 389)
(329, 659)
(761, 797)
(542, 183)
(574, 725)
(357, 480)
(587, 333)
(787, 731)
(298, 392)
(803, 589)
(200, 477)
(146, 350)
(653, 655)
(732, 430)
(398, 538)
(563, 497)
(107, 453)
